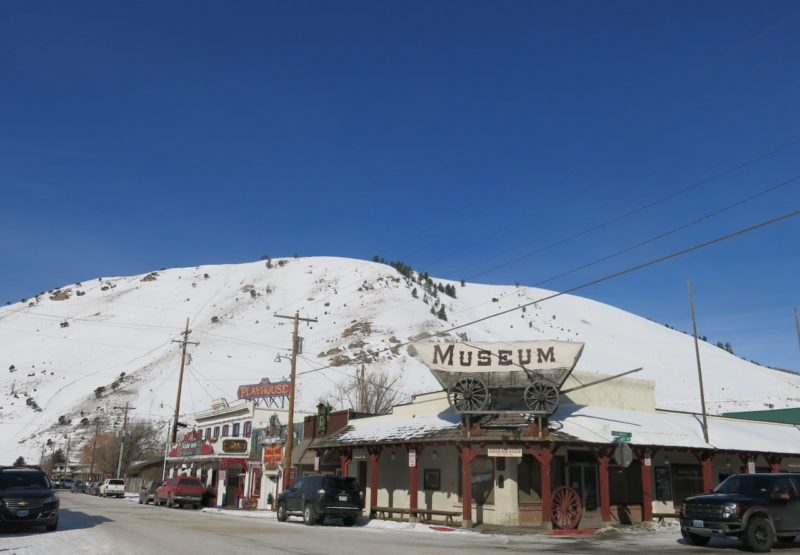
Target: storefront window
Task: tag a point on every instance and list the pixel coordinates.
(529, 475)
(482, 480)
(687, 480)
(256, 483)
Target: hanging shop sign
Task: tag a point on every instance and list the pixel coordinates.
(266, 392)
(504, 452)
(412, 458)
(234, 446)
(502, 377)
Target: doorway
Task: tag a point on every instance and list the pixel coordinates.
(583, 478)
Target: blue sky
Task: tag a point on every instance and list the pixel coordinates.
(455, 136)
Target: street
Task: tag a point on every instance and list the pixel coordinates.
(90, 525)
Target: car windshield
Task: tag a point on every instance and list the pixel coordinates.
(348, 484)
(23, 480)
(745, 485)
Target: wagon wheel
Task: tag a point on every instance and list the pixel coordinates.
(566, 508)
(541, 397)
(468, 394)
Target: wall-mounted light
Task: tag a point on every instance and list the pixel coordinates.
(435, 455)
(393, 454)
(666, 460)
(728, 462)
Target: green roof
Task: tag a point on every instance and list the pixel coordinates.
(784, 416)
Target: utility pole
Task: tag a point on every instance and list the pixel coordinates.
(94, 445)
(185, 341)
(797, 323)
(126, 408)
(66, 467)
(290, 427)
(362, 390)
(699, 369)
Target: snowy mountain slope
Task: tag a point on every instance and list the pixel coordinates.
(119, 334)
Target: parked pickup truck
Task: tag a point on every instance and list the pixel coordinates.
(112, 488)
(756, 508)
(180, 491)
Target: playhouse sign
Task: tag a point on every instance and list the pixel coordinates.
(269, 393)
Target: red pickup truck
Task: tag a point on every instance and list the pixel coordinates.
(180, 491)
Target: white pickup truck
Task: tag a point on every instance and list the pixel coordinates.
(112, 488)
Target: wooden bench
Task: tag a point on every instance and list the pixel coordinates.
(662, 516)
(425, 515)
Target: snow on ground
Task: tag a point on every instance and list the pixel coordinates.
(75, 353)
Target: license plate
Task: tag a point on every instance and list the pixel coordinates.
(23, 513)
(698, 524)
(342, 498)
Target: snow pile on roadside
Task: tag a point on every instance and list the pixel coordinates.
(669, 526)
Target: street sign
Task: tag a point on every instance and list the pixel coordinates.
(623, 454)
(621, 437)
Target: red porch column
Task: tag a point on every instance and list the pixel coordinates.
(344, 462)
(543, 457)
(708, 480)
(413, 476)
(374, 455)
(467, 456)
(605, 499)
(647, 490)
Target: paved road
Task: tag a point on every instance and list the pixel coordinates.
(91, 525)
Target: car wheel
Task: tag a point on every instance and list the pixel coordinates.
(52, 527)
(280, 512)
(786, 539)
(308, 515)
(349, 520)
(195, 506)
(694, 539)
(758, 536)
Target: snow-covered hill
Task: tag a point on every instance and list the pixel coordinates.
(118, 334)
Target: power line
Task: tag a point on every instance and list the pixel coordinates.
(605, 278)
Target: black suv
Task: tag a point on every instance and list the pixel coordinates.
(27, 497)
(316, 497)
(756, 508)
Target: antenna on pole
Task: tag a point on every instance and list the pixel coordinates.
(699, 368)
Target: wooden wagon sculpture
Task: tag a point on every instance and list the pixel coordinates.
(495, 378)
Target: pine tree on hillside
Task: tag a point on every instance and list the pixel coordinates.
(20, 461)
(442, 315)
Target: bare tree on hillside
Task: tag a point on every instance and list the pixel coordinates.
(143, 440)
(382, 392)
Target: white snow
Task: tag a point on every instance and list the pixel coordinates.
(132, 325)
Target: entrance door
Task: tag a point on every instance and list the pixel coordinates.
(583, 478)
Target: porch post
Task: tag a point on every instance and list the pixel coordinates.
(543, 457)
(344, 462)
(374, 455)
(647, 490)
(413, 478)
(605, 502)
(708, 480)
(467, 456)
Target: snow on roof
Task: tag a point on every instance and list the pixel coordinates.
(594, 424)
(389, 427)
(669, 429)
